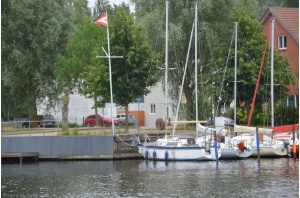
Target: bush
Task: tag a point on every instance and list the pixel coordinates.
(284, 115)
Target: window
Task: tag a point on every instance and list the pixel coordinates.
(171, 109)
(282, 43)
(152, 108)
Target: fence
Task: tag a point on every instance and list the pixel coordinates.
(28, 127)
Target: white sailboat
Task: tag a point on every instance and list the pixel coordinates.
(267, 146)
(236, 147)
(176, 148)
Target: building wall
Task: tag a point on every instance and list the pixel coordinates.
(156, 97)
(80, 107)
(292, 51)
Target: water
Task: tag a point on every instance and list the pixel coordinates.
(140, 178)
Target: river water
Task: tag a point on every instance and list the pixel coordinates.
(141, 178)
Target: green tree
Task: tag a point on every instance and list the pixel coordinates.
(132, 74)
(80, 70)
(215, 28)
(131, 78)
(284, 115)
(33, 34)
(263, 5)
(213, 23)
(250, 49)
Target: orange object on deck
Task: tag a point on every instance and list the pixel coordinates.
(241, 146)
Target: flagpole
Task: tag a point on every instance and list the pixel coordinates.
(110, 82)
(102, 20)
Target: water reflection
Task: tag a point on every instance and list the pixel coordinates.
(142, 178)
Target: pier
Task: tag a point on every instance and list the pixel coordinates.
(71, 147)
(20, 156)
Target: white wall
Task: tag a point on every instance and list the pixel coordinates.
(80, 107)
(156, 97)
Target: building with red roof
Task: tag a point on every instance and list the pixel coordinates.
(286, 41)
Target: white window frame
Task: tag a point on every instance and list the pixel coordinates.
(282, 42)
(152, 109)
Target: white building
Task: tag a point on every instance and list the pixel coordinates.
(151, 108)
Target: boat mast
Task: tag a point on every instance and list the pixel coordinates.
(196, 66)
(235, 68)
(272, 73)
(166, 64)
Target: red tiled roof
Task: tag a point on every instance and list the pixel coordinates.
(287, 17)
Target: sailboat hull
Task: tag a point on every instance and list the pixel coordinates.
(184, 153)
(234, 153)
(270, 151)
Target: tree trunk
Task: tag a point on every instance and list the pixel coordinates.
(96, 111)
(65, 109)
(34, 117)
(126, 119)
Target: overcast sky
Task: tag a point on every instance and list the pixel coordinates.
(117, 2)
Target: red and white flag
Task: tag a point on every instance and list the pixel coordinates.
(102, 20)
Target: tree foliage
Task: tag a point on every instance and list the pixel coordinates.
(263, 5)
(33, 34)
(216, 22)
(80, 70)
(131, 74)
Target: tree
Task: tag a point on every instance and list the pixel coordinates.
(216, 21)
(212, 23)
(80, 70)
(132, 74)
(33, 34)
(250, 49)
(263, 5)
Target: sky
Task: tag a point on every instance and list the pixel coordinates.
(117, 2)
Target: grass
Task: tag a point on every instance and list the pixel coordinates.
(76, 131)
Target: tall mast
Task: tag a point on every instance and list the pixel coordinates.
(196, 66)
(235, 68)
(272, 73)
(166, 63)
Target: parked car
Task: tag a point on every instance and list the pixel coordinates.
(90, 121)
(43, 121)
(122, 119)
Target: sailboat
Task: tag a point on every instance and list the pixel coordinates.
(284, 135)
(265, 144)
(237, 147)
(176, 148)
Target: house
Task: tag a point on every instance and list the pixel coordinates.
(148, 108)
(286, 41)
(155, 106)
